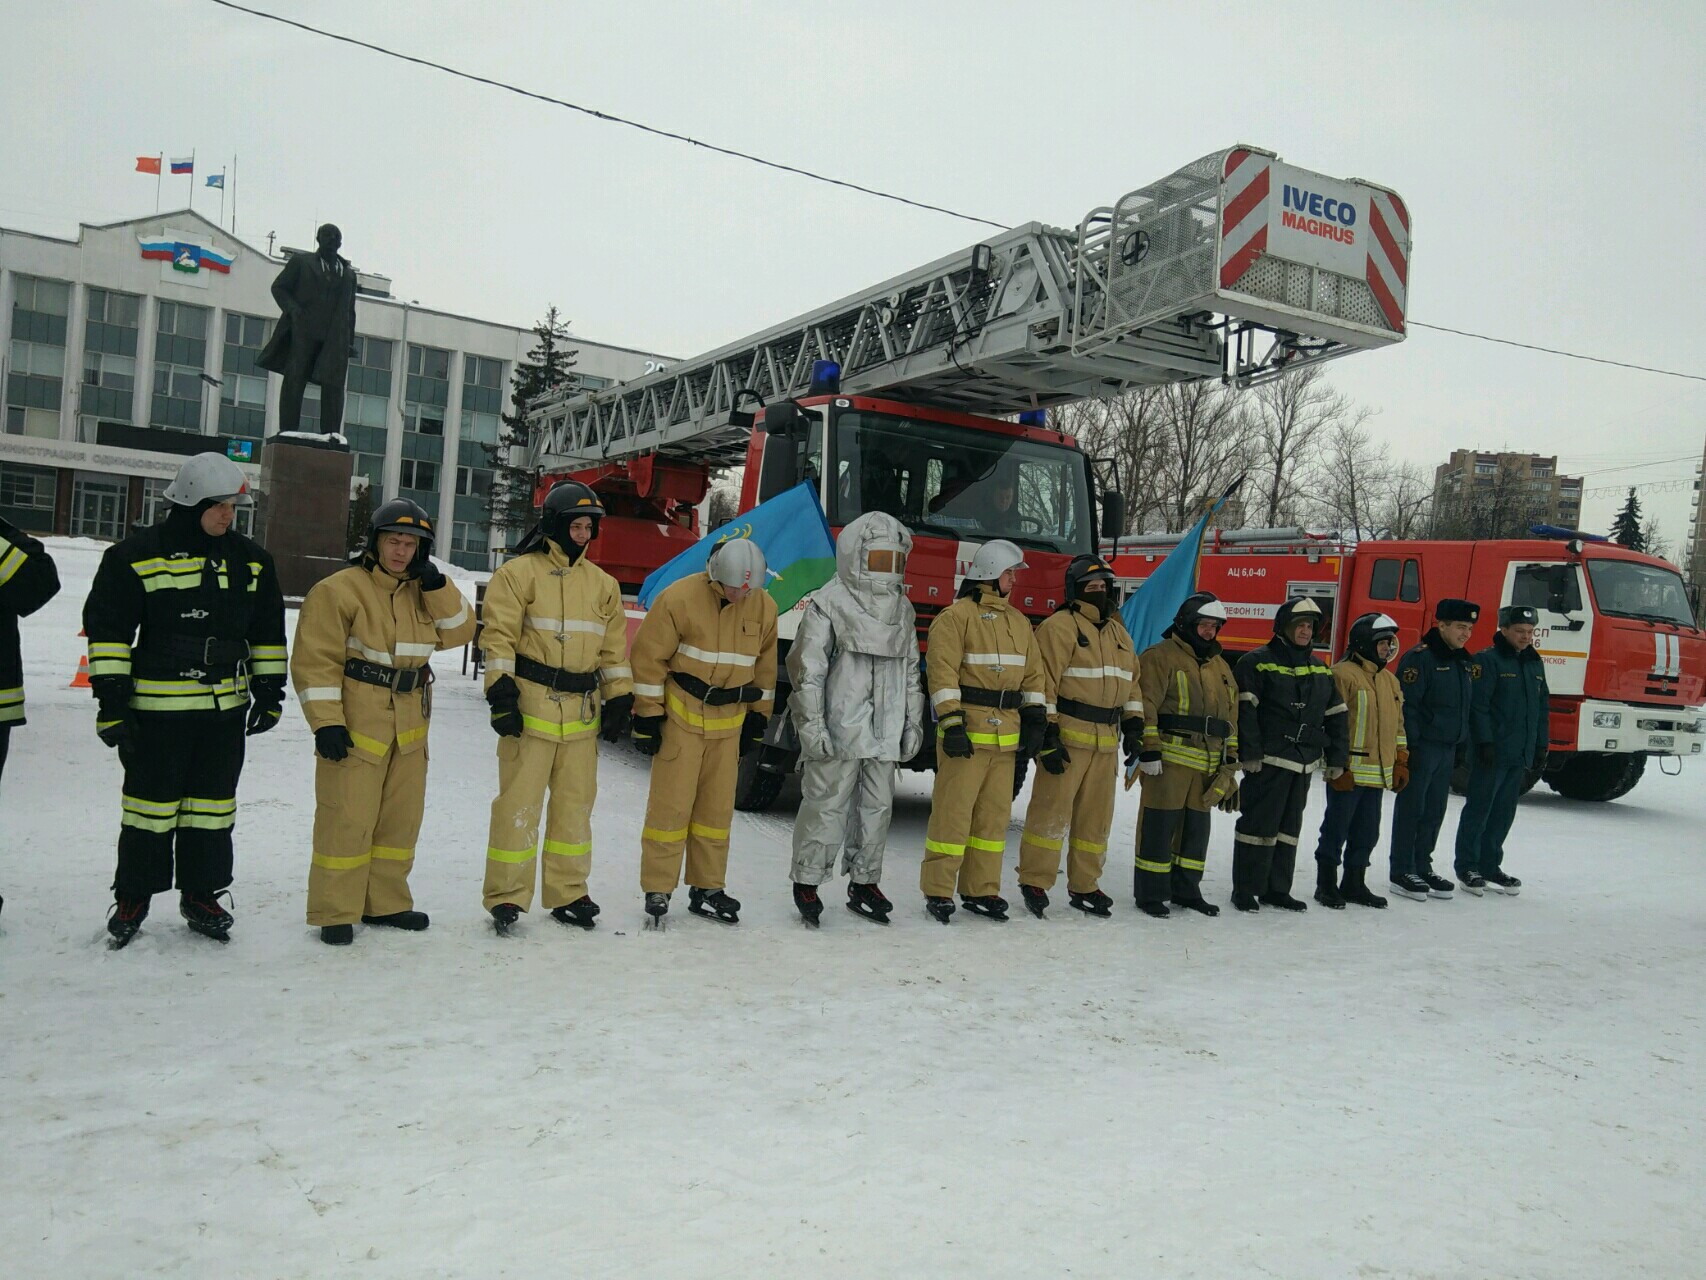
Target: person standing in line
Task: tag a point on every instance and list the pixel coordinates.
(28, 580)
(1380, 762)
(185, 621)
(364, 640)
(1291, 720)
(704, 662)
(1090, 684)
(1187, 764)
(986, 688)
(1509, 725)
(858, 709)
(556, 640)
(1436, 680)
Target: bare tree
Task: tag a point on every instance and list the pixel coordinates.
(1293, 421)
(723, 504)
(1204, 447)
(1653, 539)
(1127, 431)
(1406, 507)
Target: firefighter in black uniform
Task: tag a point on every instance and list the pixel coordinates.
(28, 580)
(177, 700)
(1291, 720)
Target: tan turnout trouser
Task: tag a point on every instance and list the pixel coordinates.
(526, 767)
(691, 804)
(968, 825)
(1082, 799)
(367, 816)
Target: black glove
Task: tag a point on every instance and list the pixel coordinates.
(262, 716)
(428, 574)
(117, 727)
(1053, 757)
(332, 742)
(955, 743)
(1021, 768)
(1540, 759)
(618, 715)
(504, 698)
(1033, 720)
(648, 734)
(1485, 756)
(752, 730)
(1131, 737)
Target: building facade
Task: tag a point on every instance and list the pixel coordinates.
(1498, 495)
(133, 346)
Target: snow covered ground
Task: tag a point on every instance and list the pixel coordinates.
(1495, 1087)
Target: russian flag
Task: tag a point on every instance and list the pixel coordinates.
(215, 261)
(183, 164)
(159, 250)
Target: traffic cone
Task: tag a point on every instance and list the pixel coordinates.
(81, 679)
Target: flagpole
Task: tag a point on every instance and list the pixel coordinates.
(222, 197)
(192, 179)
(233, 193)
(159, 176)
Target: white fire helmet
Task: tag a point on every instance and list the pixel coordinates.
(737, 563)
(209, 477)
(994, 559)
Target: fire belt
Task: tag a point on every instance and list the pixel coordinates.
(1207, 726)
(396, 679)
(555, 679)
(710, 694)
(1086, 711)
(1001, 699)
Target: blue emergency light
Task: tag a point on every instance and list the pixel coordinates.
(826, 378)
(1034, 418)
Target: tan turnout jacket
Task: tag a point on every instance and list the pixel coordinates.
(563, 615)
(1096, 666)
(692, 628)
(983, 642)
(1375, 701)
(364, 612)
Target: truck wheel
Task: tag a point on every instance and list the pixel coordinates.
(756, 789)
(1596, 775)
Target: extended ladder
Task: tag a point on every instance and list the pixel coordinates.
(1208, 273)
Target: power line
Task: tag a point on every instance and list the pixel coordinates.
(607, 117)
(610, 118)
(1637, 466)
(1551, 351)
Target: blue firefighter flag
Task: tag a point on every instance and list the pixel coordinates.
(790, 530)
(1150, 608)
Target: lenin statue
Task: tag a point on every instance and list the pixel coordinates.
(312, 342)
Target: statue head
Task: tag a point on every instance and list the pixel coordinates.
(329, 238)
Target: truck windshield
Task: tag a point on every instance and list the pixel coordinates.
(958, 482)
(1625, 589)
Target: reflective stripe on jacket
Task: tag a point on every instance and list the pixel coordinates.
(693, 629)
(1290, 714)
(1091, 664)
(28, 580)
(1175, 682)
(1375, 706)
(983, 642)
(566, 615)
(363, 612)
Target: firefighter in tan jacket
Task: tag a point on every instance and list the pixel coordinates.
(704, 663)
(1189, 757)
(359, 665)
(556, 641)
(1093, 704)
(986, 689)
(1380, 762)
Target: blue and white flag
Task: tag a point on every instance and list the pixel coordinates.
(790, 530)
(1149, 610)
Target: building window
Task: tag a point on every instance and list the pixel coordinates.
(153, 501)
(109, 360)
(473, 482)
(180, 357)
(427, 391)
(40, 310)
(1486, 468)
(35, 383)
(31, 488)
(418, 473)
(243, 395)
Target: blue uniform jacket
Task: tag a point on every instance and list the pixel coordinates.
(1511, 703)
(1437, 684)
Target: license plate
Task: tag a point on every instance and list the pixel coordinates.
(1662, 740)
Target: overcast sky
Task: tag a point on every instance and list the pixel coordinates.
(1550, 155)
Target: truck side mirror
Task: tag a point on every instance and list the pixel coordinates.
(1113, 513)
(780, 469)
(781, 419)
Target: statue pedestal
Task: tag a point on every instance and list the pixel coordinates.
(303, 514)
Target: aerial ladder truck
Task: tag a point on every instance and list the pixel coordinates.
(925, 396)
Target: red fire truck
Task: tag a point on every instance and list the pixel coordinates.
(925, 395)
(1625, 660)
